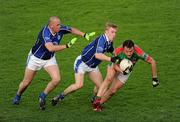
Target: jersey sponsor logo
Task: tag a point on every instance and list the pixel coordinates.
(46, 38)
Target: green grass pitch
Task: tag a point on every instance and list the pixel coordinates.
(153, 24)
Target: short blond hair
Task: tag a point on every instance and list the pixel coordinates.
(112, 25)
(53, 18)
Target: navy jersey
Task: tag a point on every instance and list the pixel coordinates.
(39, 50)
(99, 45)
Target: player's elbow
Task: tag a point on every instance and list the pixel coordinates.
(152, 61)
(109, 78)
(73, 30)
(50, 47)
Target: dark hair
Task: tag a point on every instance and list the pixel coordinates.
(128, 43)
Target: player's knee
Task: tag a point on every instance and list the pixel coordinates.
(56, 80)
(109, 78)
(98, 86)
(26, 82)
(79, 85)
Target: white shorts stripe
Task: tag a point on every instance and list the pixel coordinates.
(81, 67)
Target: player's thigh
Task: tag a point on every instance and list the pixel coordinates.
(123, 78)
(79, 79)
(28, 75)
(96, 77)
(115, 85)
(34, 63)
(53, 71)
(110, 73)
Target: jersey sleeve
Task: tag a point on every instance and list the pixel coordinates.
(142, 55)
(65, 29)
(118, 50)
(100, 45)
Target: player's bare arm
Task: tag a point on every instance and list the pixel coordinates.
(155, 81)
(77, 32)
(153, 66)
(54, 48)
(102, 57)
(87, 36)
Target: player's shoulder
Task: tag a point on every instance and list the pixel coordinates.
(62, 26)
(101, 39)
(118, 50)
(46, 31)
(138, 50)
(65, 27)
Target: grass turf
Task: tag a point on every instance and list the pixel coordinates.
(154, 25)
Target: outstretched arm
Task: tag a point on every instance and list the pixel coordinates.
(144, 56)
(103, 57)
(153, 66)
(155, 81)
(75, 31)
(54, 48)
(80, 33)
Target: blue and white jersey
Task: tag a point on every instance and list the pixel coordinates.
(100, 45)
(39, 50)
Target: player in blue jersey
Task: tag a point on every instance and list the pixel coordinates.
(88, 61)
(42, 55)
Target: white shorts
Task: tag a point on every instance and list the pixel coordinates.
(81, 67)
(35, 63)
(123, 78)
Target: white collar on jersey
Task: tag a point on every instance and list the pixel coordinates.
(107, 38)
(51, 31)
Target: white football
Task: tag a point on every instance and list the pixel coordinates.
(126, 66)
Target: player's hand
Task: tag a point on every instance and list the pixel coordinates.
(155, 82)
(88, 35)
(69, 44)
(115, 60)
